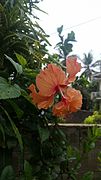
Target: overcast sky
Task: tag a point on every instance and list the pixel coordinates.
(81, 16)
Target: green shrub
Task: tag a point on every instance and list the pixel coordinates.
(93, 119)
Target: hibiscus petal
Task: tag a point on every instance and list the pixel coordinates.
(39, 100)
(59, 109)
(73, 67)
(45, 102)
(76, 99)
(50, 79)
(71, 102)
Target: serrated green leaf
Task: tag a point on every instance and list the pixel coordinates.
(21, 59)
(17, 66)
(7, 90)
(7, 173)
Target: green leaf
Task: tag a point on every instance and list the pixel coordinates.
(7, 173)
(15, 129)
(26, 96)
(88, 176)
(19, 112)
(18, 135)
(27, 171)
(7, 90)
(17, 66)
(3, 133)
(71, 36)
(44, 134)
(21, 59)
(30, 73)
(60, 29)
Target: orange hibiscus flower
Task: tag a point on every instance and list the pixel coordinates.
(71, 102)
(50, 81)
(72, 67)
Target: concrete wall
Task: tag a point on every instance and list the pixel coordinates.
(78, 117)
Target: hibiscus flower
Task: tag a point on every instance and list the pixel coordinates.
(52, 81)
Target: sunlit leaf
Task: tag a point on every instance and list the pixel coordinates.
(21, 59)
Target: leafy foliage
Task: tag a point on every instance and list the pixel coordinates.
(86, 87)
(65, 45)
(94, 119)
(88, 176)
(7, 173)
(19, 34)
(88, 65)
